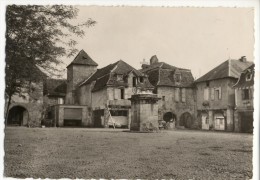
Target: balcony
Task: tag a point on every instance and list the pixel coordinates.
(120, 103)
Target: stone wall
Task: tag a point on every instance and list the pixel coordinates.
(99, 99)
(168, 103)
(75, 75)
(144, 112)
(227, 94)
(35, 113)
(30, 98)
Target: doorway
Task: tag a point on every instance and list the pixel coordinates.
(17, 116)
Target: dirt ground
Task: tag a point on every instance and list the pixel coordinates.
(107, 153)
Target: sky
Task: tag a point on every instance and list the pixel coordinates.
(194, 38)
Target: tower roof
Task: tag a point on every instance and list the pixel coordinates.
(83, 59)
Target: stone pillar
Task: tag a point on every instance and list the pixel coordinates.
(211, 120)
(237, 122)
(230, 119)
(61, 116)
(85, 116)
(144, 112)
(129, 118)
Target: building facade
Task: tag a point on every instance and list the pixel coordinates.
(244, 104)
(175, 88)
(29, 107)
(215, 95)
(106, 92)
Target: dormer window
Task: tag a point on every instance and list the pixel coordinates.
(141, 79)
(134, 81)
(248, 77)
(119, 77)
(178, 78)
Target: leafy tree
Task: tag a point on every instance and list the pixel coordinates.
(37, 37)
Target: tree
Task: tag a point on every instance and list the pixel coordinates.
(37, 37)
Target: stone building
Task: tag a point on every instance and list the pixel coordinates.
(175, 88)
(28, 107)
(244, 105)
(216, 95)
(106, 91)
(54, 91)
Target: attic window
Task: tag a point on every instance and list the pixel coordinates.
(141, 79)
(248, 77)
(119, 77)
(134, 81)
(178, 77)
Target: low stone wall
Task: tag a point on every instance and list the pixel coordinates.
(35, 113)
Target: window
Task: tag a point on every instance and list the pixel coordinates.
(177, 94)
(163, 98)
(141, 79)
(183, 95)
(248, 77)
(245, 94)
(207, 83)
(60, 101)
(134, 81)
(155, 90)
(118, 113)
(206, 94)
(178, 77)
(218, 93)
(119, 77)
(122, 93)
(207, 121)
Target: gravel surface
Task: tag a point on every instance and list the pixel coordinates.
(107, 153)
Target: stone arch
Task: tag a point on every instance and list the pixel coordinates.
(168, 116)
(186, 120)
(17, 116)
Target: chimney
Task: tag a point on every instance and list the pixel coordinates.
(153, 60)
(144, 66)
(243, 59)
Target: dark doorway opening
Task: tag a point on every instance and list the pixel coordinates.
(186, 120)
(98, 114)
(246, 122)
(167, 117)
(17, 116)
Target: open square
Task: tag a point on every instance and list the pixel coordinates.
(108, 153)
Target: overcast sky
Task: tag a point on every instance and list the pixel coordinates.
(195, 38)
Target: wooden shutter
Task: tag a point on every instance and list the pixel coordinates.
(73, 113)
(206, 94)
(220, 93)
(183, 95)
(177, 94)
(212, 93)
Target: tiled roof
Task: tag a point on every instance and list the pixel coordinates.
(60, 89)
(242, 82)
(229, 68)
(83, 59)
(162, 74)
(52, 86)
(105, 76)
